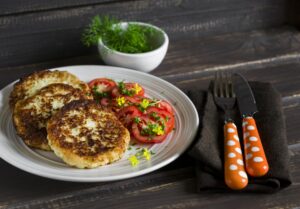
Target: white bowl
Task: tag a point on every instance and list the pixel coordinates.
(146, 61)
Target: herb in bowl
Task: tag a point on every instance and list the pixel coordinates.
(129, 38)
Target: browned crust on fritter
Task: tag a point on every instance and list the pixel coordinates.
(23, 88)
(104, 144)
(30, 122)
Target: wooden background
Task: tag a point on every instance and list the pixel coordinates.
(259, 38)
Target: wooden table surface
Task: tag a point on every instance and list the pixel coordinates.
(257, 38)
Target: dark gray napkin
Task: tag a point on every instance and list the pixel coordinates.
(208, 147)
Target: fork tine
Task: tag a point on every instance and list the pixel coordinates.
(220, 81)
(216, 85)
(231, 86)
(226, 84)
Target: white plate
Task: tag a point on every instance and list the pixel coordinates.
(46, 164)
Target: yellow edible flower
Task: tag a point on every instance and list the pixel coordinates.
(146, 154)
(120, 101)
(158, 130)
(137, 88)
(145, 103)
(133, 160)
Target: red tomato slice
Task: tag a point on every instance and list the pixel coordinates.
(133, 100)
(127, 114)
(102, 84)
(136, 132)
(166, 116)
(164, 105)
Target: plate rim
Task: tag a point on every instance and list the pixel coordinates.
(152, 168)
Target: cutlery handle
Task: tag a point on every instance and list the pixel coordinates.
(256, 161)
(235, 175)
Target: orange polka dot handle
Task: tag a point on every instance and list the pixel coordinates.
(235, 175)
(256, 161)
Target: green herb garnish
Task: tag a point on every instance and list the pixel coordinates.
(136, 120)
(153, 129)
(124, 91)
(99, 94)
(134, 39)
(167, 118)
(155, 116)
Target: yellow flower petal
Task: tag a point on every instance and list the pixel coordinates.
(133, 160)
(137, 88)
(147, 154)
(120, 101)
(145, 103)
(158, 130)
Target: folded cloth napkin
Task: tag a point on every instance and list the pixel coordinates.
(208, 149)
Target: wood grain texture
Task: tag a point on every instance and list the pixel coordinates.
(234, 50)
(294, 14)
(29, 6)
(52, 34)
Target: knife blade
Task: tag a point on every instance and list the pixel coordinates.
(255, 158)
(244, 94)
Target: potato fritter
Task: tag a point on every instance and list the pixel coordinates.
(32, 83)
(86, 135)
(31, 114)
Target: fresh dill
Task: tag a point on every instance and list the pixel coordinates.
(133, 39)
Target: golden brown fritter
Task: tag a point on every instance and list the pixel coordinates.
(31, 115)
(86, 135)
(32, 83)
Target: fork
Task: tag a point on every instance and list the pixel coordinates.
(225, 98)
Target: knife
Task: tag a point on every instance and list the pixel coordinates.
(255, 158)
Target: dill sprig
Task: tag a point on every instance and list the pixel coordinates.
(134, 39)
(98, 28)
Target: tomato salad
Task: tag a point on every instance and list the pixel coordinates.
(149, 120)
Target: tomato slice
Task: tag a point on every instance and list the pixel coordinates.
(127, 114)
(102, 85)
(133, 100)
(164, 105)
(137, 132)
(157, 114)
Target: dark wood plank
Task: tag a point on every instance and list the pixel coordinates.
(53, 34)
(281, 76)
(20, 71)
(19, 6)
(231, 51)
(294, 14)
